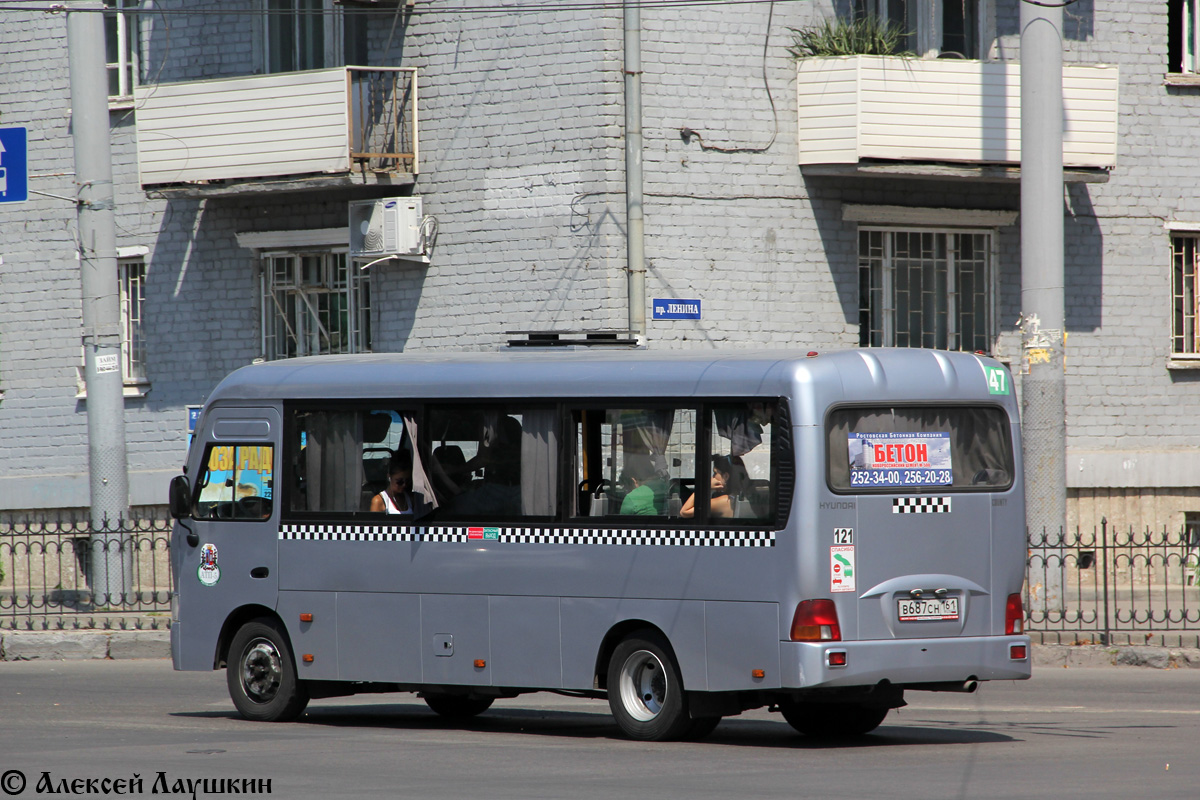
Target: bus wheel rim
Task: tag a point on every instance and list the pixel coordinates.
(643, 685)
(262, 671)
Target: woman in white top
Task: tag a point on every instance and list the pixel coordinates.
(397, 497)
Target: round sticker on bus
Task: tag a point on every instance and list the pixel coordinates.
(208, 572)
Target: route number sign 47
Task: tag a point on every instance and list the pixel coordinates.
(998, 380)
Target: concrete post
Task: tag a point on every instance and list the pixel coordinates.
(1043, 396)
(111, 562)
(635, 227)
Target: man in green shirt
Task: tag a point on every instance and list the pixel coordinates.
(645, 499)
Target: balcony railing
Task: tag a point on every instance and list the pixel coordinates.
(941, 110)
(319, 122)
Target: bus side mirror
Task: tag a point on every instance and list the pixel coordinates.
(180, 498)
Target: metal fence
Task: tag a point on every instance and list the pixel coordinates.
(1114, 586)
(57, 574)
(1104, 586)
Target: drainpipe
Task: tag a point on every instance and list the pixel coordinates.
(635, 225)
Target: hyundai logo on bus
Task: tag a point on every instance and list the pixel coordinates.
(676, 309)
(14, 172)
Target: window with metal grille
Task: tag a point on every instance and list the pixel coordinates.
(926, 288)
(1185, 331)
(132, 273)
(314, 304)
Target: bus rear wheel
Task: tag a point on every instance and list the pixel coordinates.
(645, 691)
(457, 706)
(262, 674)
(832, 720)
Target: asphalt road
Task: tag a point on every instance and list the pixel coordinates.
(1095, 733)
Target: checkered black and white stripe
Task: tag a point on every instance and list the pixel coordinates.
(920, 505)
(346, 533)
(660, 537)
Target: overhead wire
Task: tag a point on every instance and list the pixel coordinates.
(687, 134)
(421, 8)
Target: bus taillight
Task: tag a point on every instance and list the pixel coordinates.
(1014, 615)
(816, 621)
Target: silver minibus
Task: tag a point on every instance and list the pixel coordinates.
(687, 534)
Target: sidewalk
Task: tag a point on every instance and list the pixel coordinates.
(62, 645)
(104, 636)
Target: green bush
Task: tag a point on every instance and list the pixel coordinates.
(865, 36)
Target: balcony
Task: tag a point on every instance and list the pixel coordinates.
(943, 118)
(289, 131)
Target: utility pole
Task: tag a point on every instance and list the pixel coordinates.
(1043, 389)
(111, 561)
(634, 223)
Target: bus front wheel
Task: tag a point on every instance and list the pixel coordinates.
(645, 691)
(832, 720)
(262, 674)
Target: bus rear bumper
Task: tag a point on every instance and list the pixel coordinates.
(910, 662)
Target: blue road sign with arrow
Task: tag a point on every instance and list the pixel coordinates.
(14, 169)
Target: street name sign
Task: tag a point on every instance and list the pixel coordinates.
(676, 309)
(14, 169)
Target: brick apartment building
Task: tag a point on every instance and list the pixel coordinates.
(804, 204)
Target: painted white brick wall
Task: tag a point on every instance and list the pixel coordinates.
(522, 118)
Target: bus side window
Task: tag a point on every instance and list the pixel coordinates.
(742, 487)
(634, 462)
(339, 458)
(237, 482)
(494, 462)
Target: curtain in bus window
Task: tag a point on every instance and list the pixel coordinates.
(421, 484)
(539, 462)
(334, 461)
(644, 486)
(651, 432)
(739, 426)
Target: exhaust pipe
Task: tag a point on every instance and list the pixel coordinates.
(966, 687)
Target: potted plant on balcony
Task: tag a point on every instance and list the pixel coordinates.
(865, 95)
(869, 35)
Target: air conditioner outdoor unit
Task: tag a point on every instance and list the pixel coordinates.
(387, 227)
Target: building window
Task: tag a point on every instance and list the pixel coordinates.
(314, 304)
(132, 274)
(926, 288)
(1185, 331)
(122, 42)
(311, 34)
(1183, 36)
(949, 28)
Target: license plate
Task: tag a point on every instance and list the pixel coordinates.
(924, 610)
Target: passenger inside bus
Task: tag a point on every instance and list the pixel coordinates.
(397, 497)
(723, 480)
(646, 497)
(498, 463)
